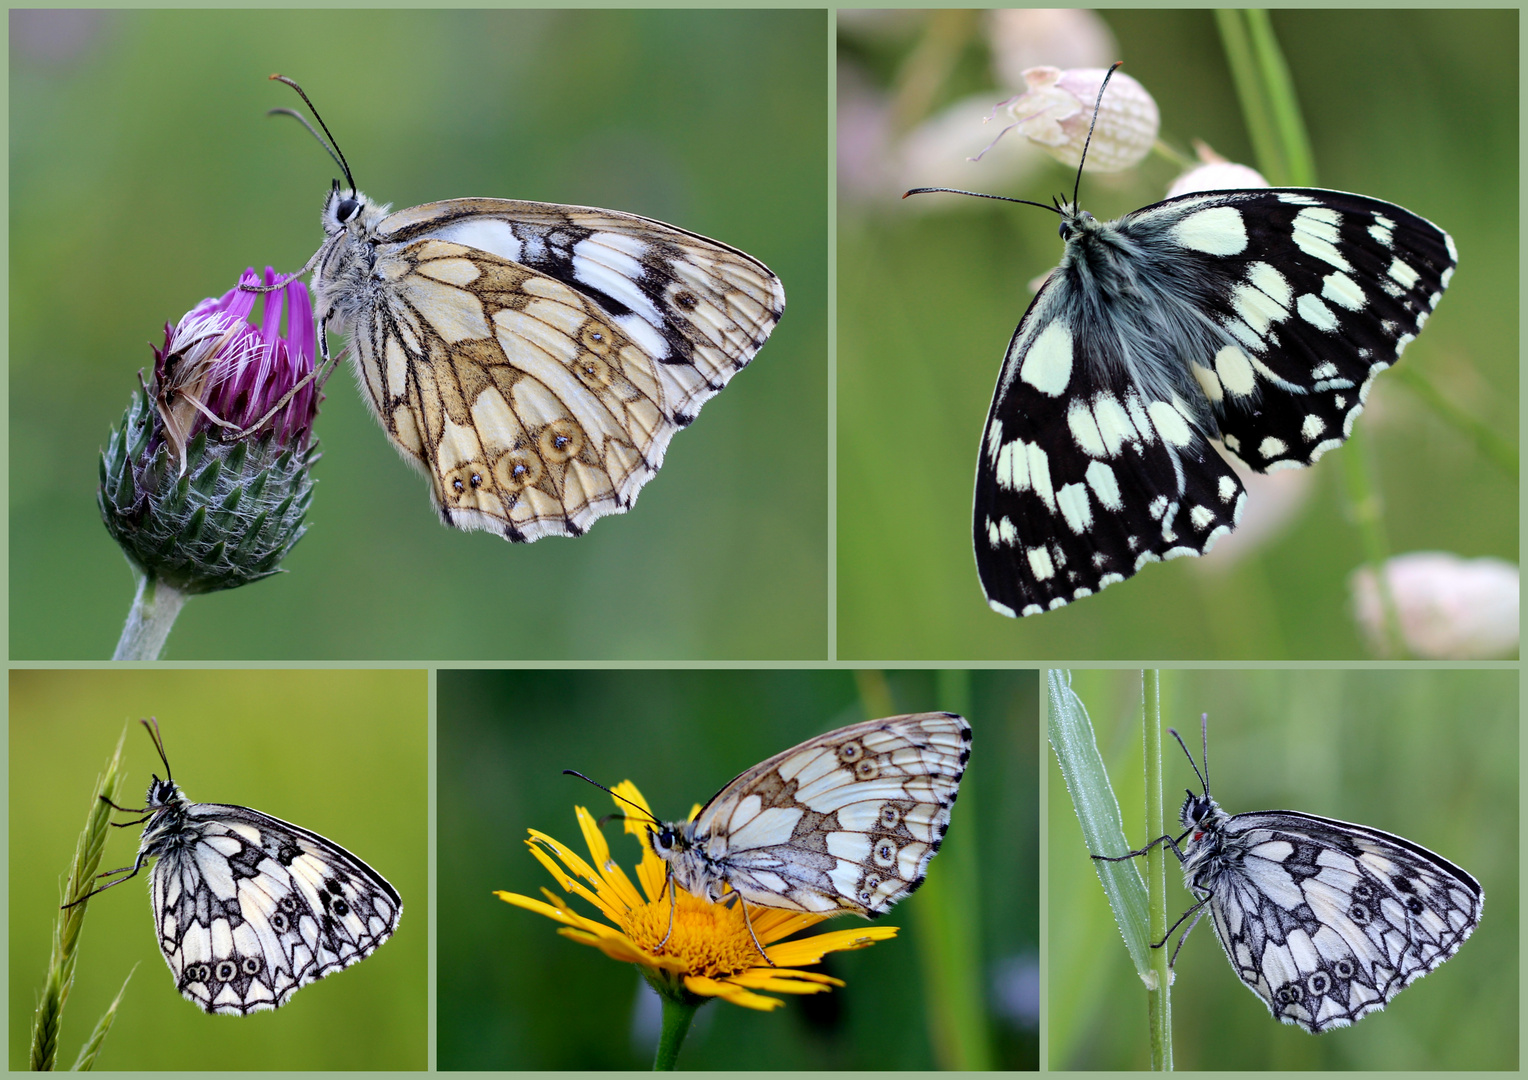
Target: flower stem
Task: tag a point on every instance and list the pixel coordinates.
(678, 1013)
(1159, 998)
(149, 621)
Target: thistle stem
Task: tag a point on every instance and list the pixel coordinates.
(150, 618)
(678, 1014)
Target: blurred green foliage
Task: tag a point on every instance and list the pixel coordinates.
(1417, 107)
(1429, 755)
(340, 753)
(145, 176)
(514, 995)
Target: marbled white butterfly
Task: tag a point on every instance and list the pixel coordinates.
(1256, 317)
(249, 909)
(533, 359)
(1324, 920)
(847, 821)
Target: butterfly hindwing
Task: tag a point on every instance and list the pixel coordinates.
(847, 821)
(249, 909)
(1255, 317)
(536, 359)
(1327, 921)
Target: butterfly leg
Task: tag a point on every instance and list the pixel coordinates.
(668, 879)
(1135, 854)
(137, 865)
(1197, 911)
(749, 923)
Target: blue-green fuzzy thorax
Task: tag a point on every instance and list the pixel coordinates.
(228, 520)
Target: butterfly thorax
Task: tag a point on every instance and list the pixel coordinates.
(692, 866)
(342, 279)
(1204, 848)
(1139, 311)
(170, 826)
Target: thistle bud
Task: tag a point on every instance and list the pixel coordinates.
(206, 481)
(1057, 110)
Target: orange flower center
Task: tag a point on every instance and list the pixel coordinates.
(707, 939)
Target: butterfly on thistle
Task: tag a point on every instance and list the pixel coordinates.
(846, 821)
(1257, 317)
(249, 909)
(533, 359)
(1325, 920)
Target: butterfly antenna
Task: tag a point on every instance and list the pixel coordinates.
(977, 194)
(1203, 782)
(333, 145)
(1204, 742)
(607, 791)
(1077, 187)
(158, 743)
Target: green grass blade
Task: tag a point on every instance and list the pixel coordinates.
(48, 1019)
(1098, 812)
(92, 1049)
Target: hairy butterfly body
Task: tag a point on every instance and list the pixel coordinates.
(847, 821)
(534, 359)
(1324, 920)
(1256, 317)
(248, 909)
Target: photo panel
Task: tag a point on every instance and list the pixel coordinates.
(840, 781)
(308, 855)
(534, 363)
(1165, 385)
(1372, 837)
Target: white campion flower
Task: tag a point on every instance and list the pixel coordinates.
(1448, 608)
(1215, 173)
(1057, 110)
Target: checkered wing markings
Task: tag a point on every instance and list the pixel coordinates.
(1327, 921)
(255, 909)
(1259, 316)
(847, 821)
(535, 360)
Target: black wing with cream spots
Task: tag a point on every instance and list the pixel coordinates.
(1257, 317)
(249, 909)
(847, 821)
(1327, 921)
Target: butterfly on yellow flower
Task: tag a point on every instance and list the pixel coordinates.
(533, 359)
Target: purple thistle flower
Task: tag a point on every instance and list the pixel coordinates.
(207, 481)
(218, 369)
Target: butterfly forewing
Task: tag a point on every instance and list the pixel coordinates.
(249, 909)
(534, 359)
(1255, 317)
(1327, 921)
(847, 821)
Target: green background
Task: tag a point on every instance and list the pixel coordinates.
(1416, 107)
(340, 753)
(145, 176)
(1428, 755)
(512, 994)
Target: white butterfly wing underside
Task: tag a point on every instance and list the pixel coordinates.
(1327, 921)
(847, 821)
(255, 908)
(535, 359)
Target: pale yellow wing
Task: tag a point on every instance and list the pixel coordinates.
(536, 360)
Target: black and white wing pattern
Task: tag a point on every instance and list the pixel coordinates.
(847, 821)
(1256, 317)
(1327, 921)
(249, 909)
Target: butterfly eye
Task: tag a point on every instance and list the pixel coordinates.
(1066, 230)
(347, 209)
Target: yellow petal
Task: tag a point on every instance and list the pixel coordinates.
(617, 884)
(811, 950)
(698, 984)
(571, 884)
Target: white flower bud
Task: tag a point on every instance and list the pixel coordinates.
(1057, 109)
(1215, 173)
(1448, 608)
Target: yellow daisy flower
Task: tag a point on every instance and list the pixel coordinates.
(709, 952)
